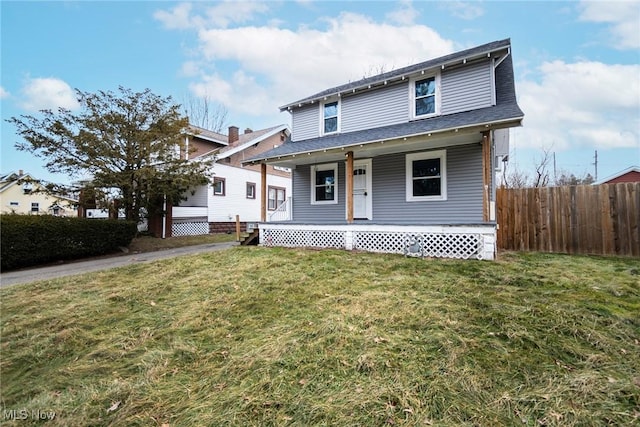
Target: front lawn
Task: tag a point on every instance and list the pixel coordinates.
(268, 336)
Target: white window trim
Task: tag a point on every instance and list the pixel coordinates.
(412, 95)
(322, 104)
(324, 167)
(442, 155)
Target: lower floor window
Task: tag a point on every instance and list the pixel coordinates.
(276, 197)
(324, 184)
(218, 186)
(251, 190)
(35, 207)
(426, 176)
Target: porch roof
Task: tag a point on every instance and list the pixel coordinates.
(453, 128)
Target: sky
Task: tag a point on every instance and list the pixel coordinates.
(577, 64)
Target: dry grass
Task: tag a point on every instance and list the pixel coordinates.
(149, 244)
(256, 336)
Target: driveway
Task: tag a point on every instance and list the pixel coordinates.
(71, 268)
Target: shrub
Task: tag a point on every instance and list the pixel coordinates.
(30, 240)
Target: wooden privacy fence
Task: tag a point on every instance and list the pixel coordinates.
(586, 219)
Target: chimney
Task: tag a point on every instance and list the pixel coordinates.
(20, 172)
(233, 134)
(248, 130)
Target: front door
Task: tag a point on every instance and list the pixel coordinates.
(362, 189)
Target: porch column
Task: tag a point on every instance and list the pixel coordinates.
(263, 192)
(486, 174)
(349, 187)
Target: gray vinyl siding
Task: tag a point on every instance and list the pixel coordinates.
(381, 107)
(464, 192)
(303, 210)
(467, 88)
(305, 122)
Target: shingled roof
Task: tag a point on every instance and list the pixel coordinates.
(506, 112)
(443, 61)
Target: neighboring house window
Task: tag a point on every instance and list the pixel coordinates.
(330, 114)
(218, 186)
(14, 204)
(426, 176)
(35, 207)
(276, 196)
(324, 184)
(424, 96)
(56, 210)
(251, 190)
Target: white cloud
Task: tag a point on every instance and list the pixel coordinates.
(291, 64)
(581, 105)
(220, 16)
(44, 93)
(463, 10)
(405, 15)
(623, 17)
(3, 93)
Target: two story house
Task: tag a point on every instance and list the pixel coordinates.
(20, 193)
(401, 162)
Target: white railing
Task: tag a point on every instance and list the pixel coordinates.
(189, 211)
(282, 212)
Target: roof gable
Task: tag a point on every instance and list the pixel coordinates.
(456, 58)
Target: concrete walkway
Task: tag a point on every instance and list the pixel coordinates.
(71, 268)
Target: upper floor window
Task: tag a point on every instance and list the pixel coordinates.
(324, 184)
(426, 175)
(330, 114)
(35, 207)
(424, 96)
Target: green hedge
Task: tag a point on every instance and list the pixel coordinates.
(30, 240)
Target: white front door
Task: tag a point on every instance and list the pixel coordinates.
(362, 205)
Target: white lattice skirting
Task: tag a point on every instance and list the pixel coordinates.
(189, 228)
(464, 242)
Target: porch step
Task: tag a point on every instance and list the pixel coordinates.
(251, 239)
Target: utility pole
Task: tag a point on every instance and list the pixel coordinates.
(555, 176)
(595, 163)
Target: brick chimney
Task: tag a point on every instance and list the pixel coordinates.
(233, 134)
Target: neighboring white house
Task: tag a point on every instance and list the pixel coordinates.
(20, 193)
(236, 189)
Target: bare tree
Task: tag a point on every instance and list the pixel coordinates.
(567, 178)
(541, 178)
(205, 113)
